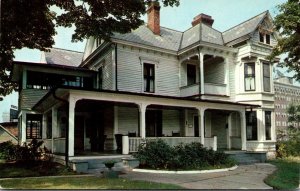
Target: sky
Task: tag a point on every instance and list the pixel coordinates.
(226, 13)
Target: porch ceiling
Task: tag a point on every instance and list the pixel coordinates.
(132, 98)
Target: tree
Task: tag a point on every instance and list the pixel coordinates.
(32, 24)
(294, 115)
(287, 22)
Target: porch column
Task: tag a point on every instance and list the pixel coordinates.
(201, 123)
(23, 128)
(229, 131)
(116, 125)
(44, 126)
(142, 119)
(227, 76)
(243, 129)
(72, 103)
(54, 126)
(201, 62)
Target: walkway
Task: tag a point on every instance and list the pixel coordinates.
(244, 177)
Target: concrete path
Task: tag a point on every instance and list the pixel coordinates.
(244, 177)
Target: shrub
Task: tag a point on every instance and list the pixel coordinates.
(157, 154)
(290, 147)
(154, 154)
(7, 150)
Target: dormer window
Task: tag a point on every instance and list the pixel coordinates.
(264, 38)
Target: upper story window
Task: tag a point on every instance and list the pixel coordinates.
(191, 74)
(268, 125)
(40, 80)
(34, 126)
(266, 77)
(149, 78)
(264, 38)
(249, 77)
(251, 125)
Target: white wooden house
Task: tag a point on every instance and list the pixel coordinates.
(199, 85)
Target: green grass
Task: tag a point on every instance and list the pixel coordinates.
(81, 183)
(32, 169)
(287, 175)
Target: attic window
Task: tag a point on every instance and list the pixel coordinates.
(264, 38)
(267, 39)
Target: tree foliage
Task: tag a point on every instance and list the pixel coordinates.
(287, 22)
(294, 115)
(32, 24)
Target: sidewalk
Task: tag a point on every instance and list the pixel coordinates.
(244, 177)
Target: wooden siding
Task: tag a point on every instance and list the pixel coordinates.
(232, 77)
(255, 38)
(29, 97)
(214, 73)
(218, 129)
(130, 67)
(171, 121)
(128, 120)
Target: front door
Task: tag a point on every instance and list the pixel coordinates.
(97, 137)
(153, 123)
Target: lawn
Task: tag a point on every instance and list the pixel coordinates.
(287, 175)
(32, 169)
(81, 183)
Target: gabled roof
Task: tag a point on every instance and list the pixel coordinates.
(244, 28)
(168, 39)
(63, 57)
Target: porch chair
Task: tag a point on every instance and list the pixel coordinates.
(131, 134)
(175, 134)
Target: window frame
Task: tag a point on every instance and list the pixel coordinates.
(32, 119)
(246, 75)
(268, 126)
(148, 77)
(266, 64)
(253, 125)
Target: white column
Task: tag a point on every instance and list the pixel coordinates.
(201, 124)
(243, 129)
(23, 128)
(201, 62)
(229, 129)
(54, 127)
(227, 76)
(260, 125)
(44, 126)
(116, 124)
(142, 121)
(72, 103)
(273, 126)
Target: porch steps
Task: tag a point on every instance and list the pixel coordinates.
(244, 157)
(97, 166)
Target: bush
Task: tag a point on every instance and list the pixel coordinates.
(28, 152)
(157, 154)
(7, 150)
(290, 147)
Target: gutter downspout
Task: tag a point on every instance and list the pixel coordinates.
(67, 126)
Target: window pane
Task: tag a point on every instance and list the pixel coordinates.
(266, 68)
(149, 77)
(249, 76)
(261, 37)
(151, 86)
(251, 125)
(268, 124)
(267, 87)
(268, 39)
(191, 74)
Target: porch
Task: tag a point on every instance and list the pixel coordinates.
(96, 118)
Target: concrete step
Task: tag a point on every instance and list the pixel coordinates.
(244, 158)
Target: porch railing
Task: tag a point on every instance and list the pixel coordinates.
(134, 142)
(190, 90)
(261, 146)
(216, 89)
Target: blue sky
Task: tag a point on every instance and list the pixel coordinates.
(226, 13)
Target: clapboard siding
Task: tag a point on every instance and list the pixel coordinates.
(128, 120)
(130, 77)
(232, 78)
(255, 38)
(218, 129)
(29, 97)
(171, 121)
(235, 125)
(214, 73)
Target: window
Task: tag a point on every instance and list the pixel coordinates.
(264, 38)
(100, 77)
(261, 37)
(191, 74)
(268, 38)
(149, 76)
(251, 125)
(34, 126)
(268, 124)
(249, 76)
(266, 73)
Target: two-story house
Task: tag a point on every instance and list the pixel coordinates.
(200, 85)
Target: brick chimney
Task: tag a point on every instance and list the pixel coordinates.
(203, 18)
(154, 17)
